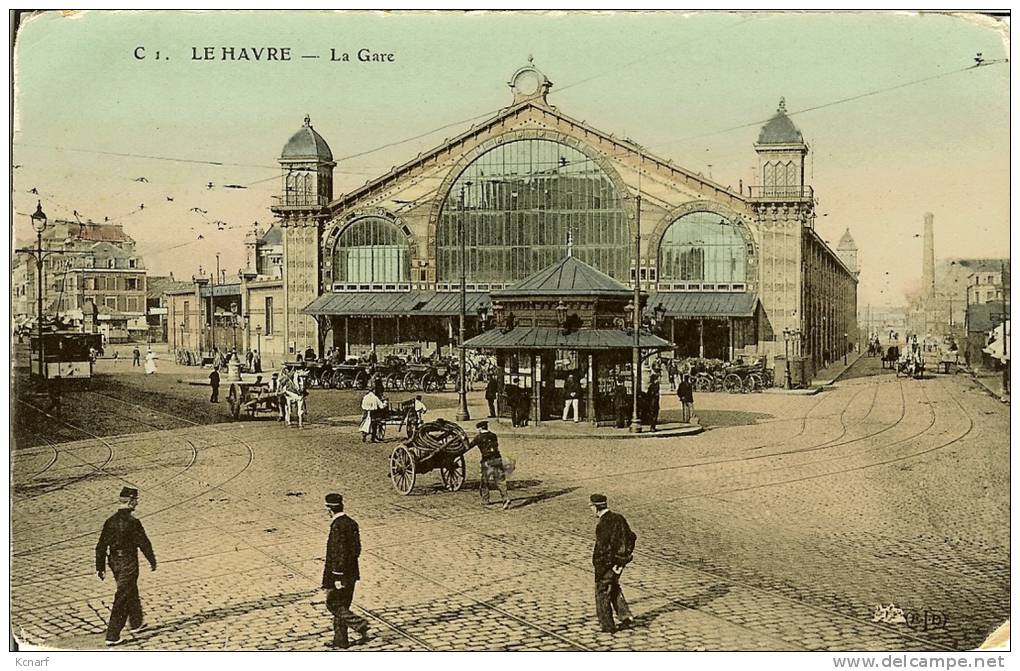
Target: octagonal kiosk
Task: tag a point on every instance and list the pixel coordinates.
(566, 319)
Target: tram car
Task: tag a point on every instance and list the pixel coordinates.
(65, 354)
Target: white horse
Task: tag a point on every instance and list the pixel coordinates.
(293, 397)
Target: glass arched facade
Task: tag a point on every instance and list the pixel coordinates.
(519, 201)
(371, 250)
(703, 247)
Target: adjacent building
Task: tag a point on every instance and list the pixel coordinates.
(104, 268)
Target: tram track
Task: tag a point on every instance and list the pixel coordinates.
(251, 459)
(446, 521)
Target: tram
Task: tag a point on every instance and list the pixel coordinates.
(65, 354)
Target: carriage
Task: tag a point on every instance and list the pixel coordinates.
(437, 445)
(734, 378)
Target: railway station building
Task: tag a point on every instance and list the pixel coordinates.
(734, 272)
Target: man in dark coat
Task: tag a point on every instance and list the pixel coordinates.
(622, 404)
(685, 392)
(492, 469)
(340, 574)
(614, 547)
(653, 401)
(121, 539)
(136, 357)
(214, 384)
(513, 399)
(491, 393)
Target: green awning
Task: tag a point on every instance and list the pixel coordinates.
(395, 304)
(705, 304)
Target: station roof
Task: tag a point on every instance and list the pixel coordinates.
(543, 337)
(394, 304)
(706, 304)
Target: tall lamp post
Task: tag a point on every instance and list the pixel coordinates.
(635, 420)
(233, 324)
(846, 345)
(39, 222)
(462, 413)
(258, 335)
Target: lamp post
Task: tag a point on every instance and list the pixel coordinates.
(39, 222)
(846, 344)
(561, 316)
(180, 343)
(258, 336)
(1005, 334)
(233, 324)
(635, 420)
(462, 413)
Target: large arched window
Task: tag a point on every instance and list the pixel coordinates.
(519, 201)
(703, 247)
(371, 250)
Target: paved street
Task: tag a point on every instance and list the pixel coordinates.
(781, 527)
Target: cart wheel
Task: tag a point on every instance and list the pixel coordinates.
(402, 470)
(410, 383)
(379, 431)
(753, 383)
(411, 424)
(361, 380)
(732, 384)
(454, 474)
(703, 383)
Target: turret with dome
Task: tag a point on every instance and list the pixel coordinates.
(846, 250)
(781, 154)
(307, 164)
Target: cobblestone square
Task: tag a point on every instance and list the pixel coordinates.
(781, 527)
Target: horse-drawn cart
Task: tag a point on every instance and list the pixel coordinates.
(434, 445)
(251, 398)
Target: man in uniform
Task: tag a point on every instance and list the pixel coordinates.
(121, 539)
(340, 574)
(614, 549)
(492, 464)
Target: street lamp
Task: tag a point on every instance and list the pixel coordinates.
(39, 222)
(561, 314)
(846, 344)
(258, 335)
(483, 315)
(462, 413)
(233, 324)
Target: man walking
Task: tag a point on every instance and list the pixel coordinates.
(136, 357)
(491, 392)
(340, 574)
(685, 392)
(492, 469)
(571, 398)
(121, 539)
(614, 549)
(214, 384)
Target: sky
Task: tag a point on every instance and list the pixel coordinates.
(92, 121)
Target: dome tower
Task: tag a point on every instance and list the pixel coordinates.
(307, 165)
(846, 250)
(781, 153)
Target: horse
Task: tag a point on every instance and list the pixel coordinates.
(292, 395)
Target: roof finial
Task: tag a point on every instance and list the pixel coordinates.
(782, 105)
(531, 59)
(308, 121)
(570, 243)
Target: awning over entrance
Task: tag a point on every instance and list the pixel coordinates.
(705, 304)
(538, 337)
(394, 304)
